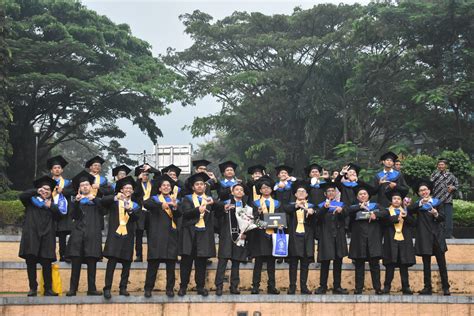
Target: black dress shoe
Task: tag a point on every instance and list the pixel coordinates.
(147, 293)
(124, 292)
(208, 262)
(378, 292)
(170, 293)
(182, 291)
(32, 293)
(139, 259)
(203, 292)
(255, 290)
(357, 291)
(67, 260)
(234, 290)
(62, 259)
(107, 294)
(386, 290)
(305, 290)
(426, 291)
(273, 290)
(219, 291)
(71, 293)
(50, 293)
(320, 290)
(279, 260)
(407, 291)
(291, 290)
(446, 292)
(340, 290)
(94, 293)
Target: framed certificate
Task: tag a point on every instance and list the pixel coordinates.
(275, 220)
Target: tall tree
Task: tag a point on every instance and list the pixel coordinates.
(73, 73)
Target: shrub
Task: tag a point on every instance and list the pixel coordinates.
(11, 212)
(463, 213)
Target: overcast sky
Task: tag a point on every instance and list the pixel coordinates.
(157, 22)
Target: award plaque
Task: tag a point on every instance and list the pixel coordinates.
(275, 220)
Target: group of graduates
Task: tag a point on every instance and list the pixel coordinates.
(182, 218)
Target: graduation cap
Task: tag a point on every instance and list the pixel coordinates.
(418, 182)
(56, 160)
(123, 182)
(300, 184)
(353, 166)
(395, 192)
(364, 186)
(200, 176)
(264, 180)
(283, 167)
(94, 160)
(45, 180)
(173, 168)
(389, 155)
(227, 164)
(307, 170)
(256, 168)
(117, 169)
(140, 169)
(442, 159)
(82, 177)
(163, 178)
(201, 162)
(327, 185)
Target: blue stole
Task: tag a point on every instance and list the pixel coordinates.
(350, 184)
(316, 186)
(391, 176)
(286, 188)
(38, 202)
(332, 205)
(428, 206)
(228, 184)
(86, 201)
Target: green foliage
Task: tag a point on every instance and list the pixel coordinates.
(75, 72)
(10, 195)
(341, 83)
(421, 166)
(463, 213)
(11, 212)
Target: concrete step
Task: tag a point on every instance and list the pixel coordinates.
(461, 276)
(276, 305)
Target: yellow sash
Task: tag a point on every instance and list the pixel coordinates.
(146, 191)
(174, 195)
(398, 226)
(96, 181)
(123, 218)
(265, 210)
(201, 224)
(300, 219)
(255, 195)
(61, 185)
(167, 210)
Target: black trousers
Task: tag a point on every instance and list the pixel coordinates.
(139, 242)
(304, 270)
(76, 263)
(257, 271)
(360, 273)
(62, 243)
(336, 273)
(152, 270)
(443, 270)
(234, 273)
(31, 270)
(109, 273)
(390, 272)
(200, 264)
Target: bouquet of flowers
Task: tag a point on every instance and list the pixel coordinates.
(247, 222)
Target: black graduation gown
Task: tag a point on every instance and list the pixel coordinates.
(163, 242)
(259, 243)
(86, 233)
(204, 240)
(38, 236)
(119, 246)
(249, 185)
(393, 249)
(428, 229)
(301, 246)
(332, 243)
(316, 195)
(366, 238)
(65, 223)
(224, 191)
(382, 189)
(227, 248)
(283, 196)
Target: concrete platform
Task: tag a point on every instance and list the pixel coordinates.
(241, 305)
